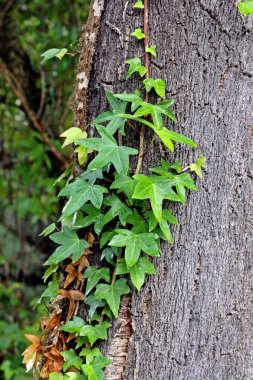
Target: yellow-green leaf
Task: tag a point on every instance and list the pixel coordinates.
(72, 134)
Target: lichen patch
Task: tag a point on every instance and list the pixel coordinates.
(98, 6)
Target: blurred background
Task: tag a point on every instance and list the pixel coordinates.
(34, 110)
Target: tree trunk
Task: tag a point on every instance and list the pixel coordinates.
(193, 320)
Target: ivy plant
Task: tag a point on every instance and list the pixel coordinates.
(115, 212)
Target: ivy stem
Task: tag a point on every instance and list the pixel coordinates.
(233, 3)
(147, 61)
(185, 169)
(114, 275)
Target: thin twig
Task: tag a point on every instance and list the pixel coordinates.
(6, 7)
(142, 134)
(17, 89)
(233, 3)
(42, 95)
(133, 127)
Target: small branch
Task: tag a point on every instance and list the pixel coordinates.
(17, 89)
(43, 95)
(142, 133)
(6, 7)
(133, 127)
(233, 3)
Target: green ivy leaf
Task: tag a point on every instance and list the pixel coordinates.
(48, 230)
(71, 245)
(139, 224)
(108, 152)
(70, 221)
(117, 209)
(50, 292)
(51, 53)
(74, 376)
(52, 269)
(156, 189)
(71, 360)
(139, 4)
(157, 84)
(107, 311)
(82, 155)
(135, 243)
(181, 182)
(108, 254)
(198, 165)
(167, 217)
(124, 184)
(94, 215)
(72, 134)
(246, 7)
(80, 192)
(134, 98)
(105, 237)
(156, 111)
(166, 167)
(90, 354)
(164, 228)
(94, 371)
(151, 49)
(94, 275)
(92, 175)
(112, 293)
(135, 66)
(56, 376)
(65, 174)
(138, 34)
(94, 304)
(94, 333)
(137, 272)
(168, 136)
(73, 326)
(115, 122)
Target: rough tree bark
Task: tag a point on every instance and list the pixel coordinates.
(193, 320)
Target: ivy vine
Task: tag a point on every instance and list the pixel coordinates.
(112, 210)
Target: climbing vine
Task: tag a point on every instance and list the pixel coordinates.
(111, 226)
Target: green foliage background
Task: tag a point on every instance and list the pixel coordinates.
(28, 169)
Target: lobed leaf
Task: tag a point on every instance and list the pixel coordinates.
(79, 192)
(156, 189)
(198, 165)
(71, 245)
(51, 53)
(108, 152)
(94, 275)
(135, 243)
(151, 49)
(246, 7)
(138, 34)
(139, 4)
(112, 294)
(135, 66)
(157, 84)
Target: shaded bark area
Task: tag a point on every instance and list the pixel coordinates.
(193, 320)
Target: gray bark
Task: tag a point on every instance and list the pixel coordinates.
(193, 320)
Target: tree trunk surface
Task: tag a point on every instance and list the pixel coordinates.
(193, 320)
